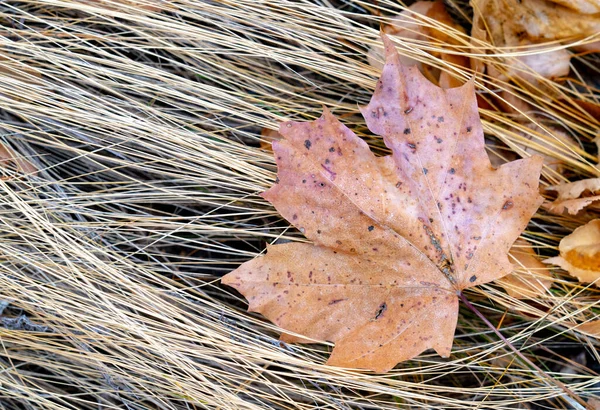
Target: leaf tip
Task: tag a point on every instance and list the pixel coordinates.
(389, 47)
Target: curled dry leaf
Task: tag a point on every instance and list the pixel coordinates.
(516, 23)
(581, 6)
(395, 238)
(575, 196)
(412, 24)
(531, 278)
(580, 252)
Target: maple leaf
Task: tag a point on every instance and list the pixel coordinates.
(395, 238)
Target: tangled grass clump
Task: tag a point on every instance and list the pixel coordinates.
(131, 165)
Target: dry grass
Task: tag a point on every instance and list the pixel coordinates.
(136, 131)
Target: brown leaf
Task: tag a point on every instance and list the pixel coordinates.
(580, 252)
(406, 25)
(575, 196)
(412, 24)
(396, 237)
(516, 23)
(581, 6)
(531, 278)
(591, 328)
(510, 22)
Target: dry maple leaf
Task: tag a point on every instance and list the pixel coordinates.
(395, 238)
(580, 252)
(571, 195)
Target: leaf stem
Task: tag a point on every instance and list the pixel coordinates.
(561, 385)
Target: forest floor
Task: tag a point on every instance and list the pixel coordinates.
(136, 139)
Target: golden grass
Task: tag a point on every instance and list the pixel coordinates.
(141, 127)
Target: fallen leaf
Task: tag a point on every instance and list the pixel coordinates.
(510, 22)
(574, 196)
(413, 24)
(395, 238)
(406, 25)
(578, 106)
(531, 278)
(514, 24)
(581, 6)
(580, 252)
(591, 328)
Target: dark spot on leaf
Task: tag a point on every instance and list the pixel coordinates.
(425, 171)
(408, 110)
(452, 171)
(472, 278)
(332, 149)
(307, 144)
(382, 308)
(507, 205)
(334, 301)
(440, 119)
(294, 217)
(304, 181)
(370, 228)
(398, 184)
(277, 180)
(469, 129)
(406, 131)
